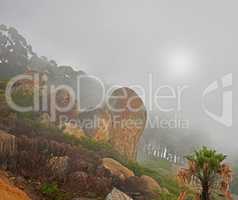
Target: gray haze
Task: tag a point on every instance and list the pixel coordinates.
(122, 41)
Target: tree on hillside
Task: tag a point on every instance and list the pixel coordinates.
(207, 172)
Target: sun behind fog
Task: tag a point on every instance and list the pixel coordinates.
(180, 63)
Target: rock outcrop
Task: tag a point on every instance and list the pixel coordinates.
(7, 144)
(121, 121)
(116, 168)
(150, 184)
(144, 185)
(117, 195)
(122, 128)
(129, 119)
(96, 123)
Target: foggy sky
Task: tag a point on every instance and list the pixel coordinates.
(122, 41)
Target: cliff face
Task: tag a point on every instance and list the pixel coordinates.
(129, 119)
(121, 122)
(97, 123)
(122, 129)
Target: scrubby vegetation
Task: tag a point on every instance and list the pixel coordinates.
(41, 142)
(164, 172)
(52, 191)
(207, 173)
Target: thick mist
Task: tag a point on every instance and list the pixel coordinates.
(179, 43)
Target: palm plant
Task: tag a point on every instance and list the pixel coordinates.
(207, 172)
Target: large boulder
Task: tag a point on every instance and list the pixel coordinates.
(117, 195)
(129, 119)
(116, 168)
(150, 184)
(121, 121)
(144, 185)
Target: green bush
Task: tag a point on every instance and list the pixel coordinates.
(52, 192)
(49, 188)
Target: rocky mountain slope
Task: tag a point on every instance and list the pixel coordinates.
(118, 128)
(64, 163)
(48, 162)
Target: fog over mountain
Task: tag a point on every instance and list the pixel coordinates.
(179, 43)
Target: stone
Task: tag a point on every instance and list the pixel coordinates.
(121, 128)
(129, 120)
(116, 168)
(144, 185)
(96, 123)
(117, 195)
(150, 184)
